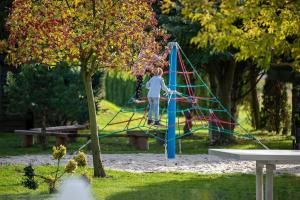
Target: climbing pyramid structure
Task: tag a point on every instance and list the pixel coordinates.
(194, 109)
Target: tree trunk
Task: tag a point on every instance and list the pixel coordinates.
(214, 88)
(286, 124)
(44, 138)
(3, 76)
(222, 82)
(295, 107)
(237, 89)
(225, 85)
(97, 162)
(254, 99)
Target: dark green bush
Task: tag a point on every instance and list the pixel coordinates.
(56, 93)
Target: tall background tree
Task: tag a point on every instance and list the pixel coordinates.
(275, 110)
(92, 35)
(265, 33)
(231, 86)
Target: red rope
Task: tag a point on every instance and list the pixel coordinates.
(187, 100)
(188, 81)
(216, 120)
(208, 119)
(186, 77)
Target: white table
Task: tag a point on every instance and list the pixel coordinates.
(262, 157)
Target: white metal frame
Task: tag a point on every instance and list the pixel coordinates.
(268, 158)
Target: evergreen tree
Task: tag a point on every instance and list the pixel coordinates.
(54, 95)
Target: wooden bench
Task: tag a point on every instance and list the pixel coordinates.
(139, 139)
(61, 137)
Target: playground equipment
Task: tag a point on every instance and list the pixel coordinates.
(171, 142)
(195, 101)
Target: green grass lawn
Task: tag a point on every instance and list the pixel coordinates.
(175, 186)
(11, 145)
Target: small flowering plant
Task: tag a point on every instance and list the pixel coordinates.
(58, 153)
(81, 159)
(71, 166)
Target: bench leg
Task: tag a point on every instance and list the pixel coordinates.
(72, 138)
(39, 139)
(28, 140)
(142, 143)
(60, 140)
(132, 141)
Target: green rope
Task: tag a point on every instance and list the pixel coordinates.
(133, 110)
(114, 133)
(189, 98)
(152, 135)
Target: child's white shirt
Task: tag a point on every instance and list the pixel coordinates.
(155, 84)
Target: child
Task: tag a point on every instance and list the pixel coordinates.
(138, 87)
(154, 85)
(188, 123)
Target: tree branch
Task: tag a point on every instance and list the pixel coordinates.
(94, 8)
(281, 65)
(68, 4)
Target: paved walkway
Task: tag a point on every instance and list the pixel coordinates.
(201, 163)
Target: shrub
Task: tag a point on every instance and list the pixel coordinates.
(79, 160)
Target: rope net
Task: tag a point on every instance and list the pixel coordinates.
(198, 110)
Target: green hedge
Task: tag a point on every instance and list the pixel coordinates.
(119, 87)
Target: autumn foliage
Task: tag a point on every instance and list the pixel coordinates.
(114, 33)
(267, 32)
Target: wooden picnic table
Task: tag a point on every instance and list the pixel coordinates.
(62, 134)
(69, 128)
(66, 129)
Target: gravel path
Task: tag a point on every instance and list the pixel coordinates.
(201, 163)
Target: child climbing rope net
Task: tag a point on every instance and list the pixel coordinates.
(154, 85)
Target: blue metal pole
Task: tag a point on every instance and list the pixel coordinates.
(171, 144)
